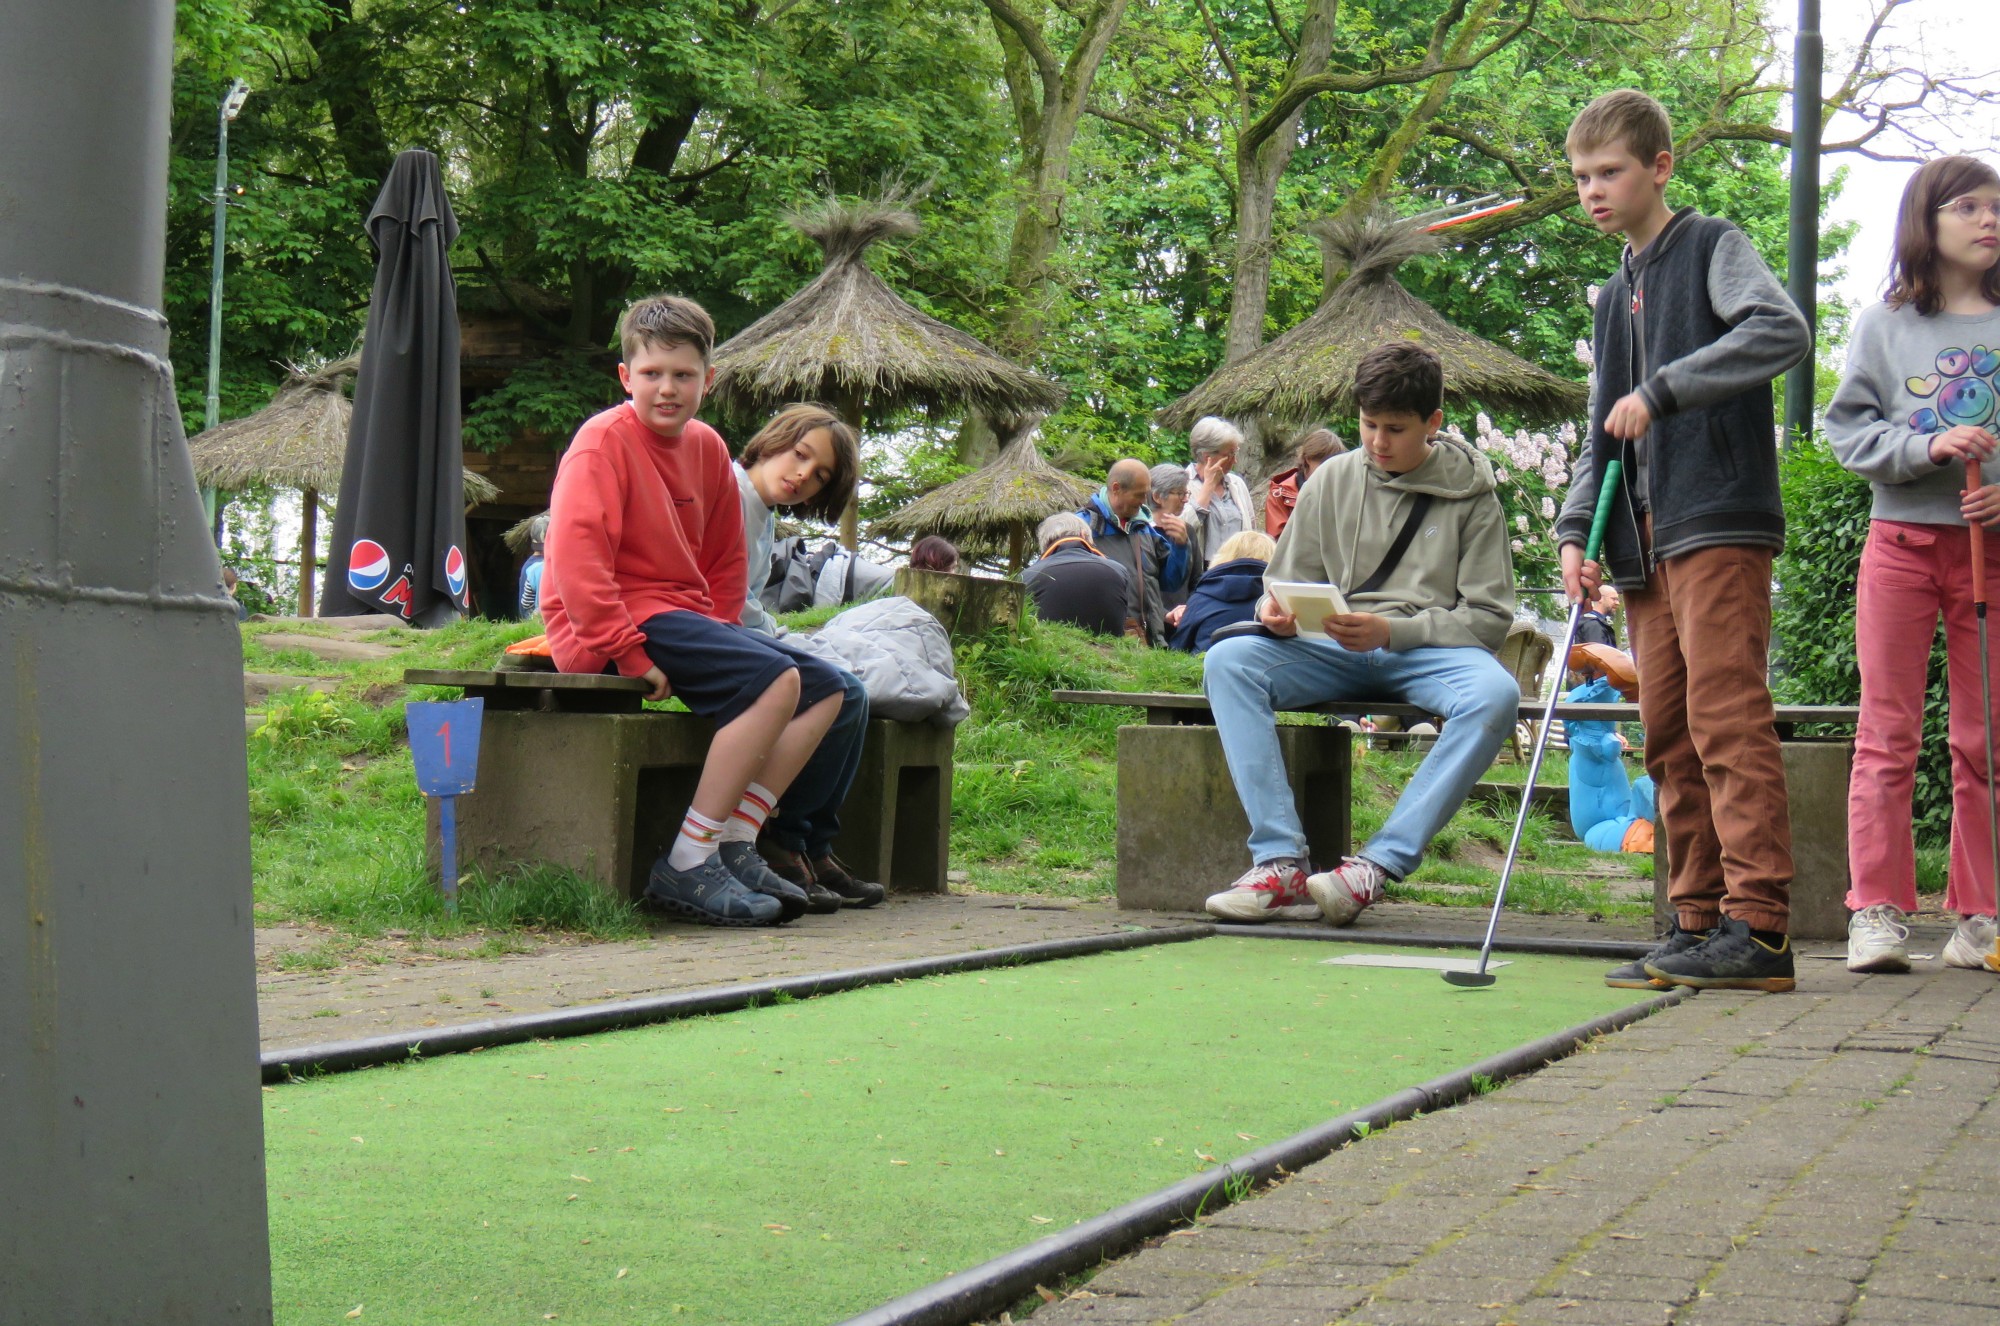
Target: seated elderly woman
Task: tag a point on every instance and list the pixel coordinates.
(1167, 494)
(1227, 594)
(1073, 582)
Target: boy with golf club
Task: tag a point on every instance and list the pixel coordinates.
(1690, 332)
(1915, 405)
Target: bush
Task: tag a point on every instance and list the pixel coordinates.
(1826, 522)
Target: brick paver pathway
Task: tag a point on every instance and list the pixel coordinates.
(1827, 1156)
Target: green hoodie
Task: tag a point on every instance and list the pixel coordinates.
(1455, 584)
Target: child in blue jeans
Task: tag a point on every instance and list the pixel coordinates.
(1408, 527)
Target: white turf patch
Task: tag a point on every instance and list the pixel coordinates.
(1421, 964)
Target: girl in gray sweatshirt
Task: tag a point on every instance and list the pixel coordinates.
(1917, 401)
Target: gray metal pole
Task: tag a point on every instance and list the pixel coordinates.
(225, 111)
(131, 1138)
(1802, 264)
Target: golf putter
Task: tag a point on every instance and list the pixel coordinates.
(1612, 474)
(1978, 533)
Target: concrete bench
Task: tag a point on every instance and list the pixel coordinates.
(574, 771)
(1181, 829)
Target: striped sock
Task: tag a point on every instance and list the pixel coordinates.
(747, 820)
(696, 842)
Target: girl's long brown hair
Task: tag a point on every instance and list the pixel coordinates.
(1913, 271)
(790, 424)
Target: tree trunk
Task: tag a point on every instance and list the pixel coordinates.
(308, 553)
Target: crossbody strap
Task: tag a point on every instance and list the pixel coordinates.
(1404, 537)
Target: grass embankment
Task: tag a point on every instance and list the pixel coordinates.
(337, 823)
(805, 1161)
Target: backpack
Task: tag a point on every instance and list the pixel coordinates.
(803, 577)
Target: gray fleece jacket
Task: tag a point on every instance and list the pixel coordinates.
(1910, 377)
(1455, 584)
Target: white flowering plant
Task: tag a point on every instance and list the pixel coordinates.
(1531, 472)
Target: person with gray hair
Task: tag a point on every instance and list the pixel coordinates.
(1073, 582)
(1153, 548)
(1169, 491)
(1219, 506)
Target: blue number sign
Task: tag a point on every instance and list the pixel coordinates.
(444, 743)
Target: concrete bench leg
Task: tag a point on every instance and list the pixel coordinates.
(601, 794)
(1816, 785)
(896, 825)
(1181, 829)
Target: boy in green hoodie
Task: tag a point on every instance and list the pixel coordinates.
(1409, 529)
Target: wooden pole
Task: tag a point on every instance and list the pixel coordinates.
(1017, 540)
(308, 552)
(851, 404)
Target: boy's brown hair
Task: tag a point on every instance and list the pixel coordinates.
(1626, 118)
(790, 424)
(1400, 378)
(1913, 270)
(664, 321)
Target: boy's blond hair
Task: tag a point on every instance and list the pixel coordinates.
(1627, 118)
(664, 321)
(1246, 543)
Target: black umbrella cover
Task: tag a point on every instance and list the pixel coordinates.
(399, 527)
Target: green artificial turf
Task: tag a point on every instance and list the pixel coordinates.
(807, 1160)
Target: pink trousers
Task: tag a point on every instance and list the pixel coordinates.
(1910, 574)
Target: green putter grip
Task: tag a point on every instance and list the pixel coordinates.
(1606, 490)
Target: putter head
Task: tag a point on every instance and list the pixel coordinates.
(1473, 980)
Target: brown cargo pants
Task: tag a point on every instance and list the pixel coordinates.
(1701, 633)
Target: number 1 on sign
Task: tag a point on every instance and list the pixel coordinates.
(444, 735)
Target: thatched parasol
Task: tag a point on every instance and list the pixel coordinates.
(298, 441)
(1308, 372)
(1007, 496)
(849, 340)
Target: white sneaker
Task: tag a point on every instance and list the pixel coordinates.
(1344, 891)
(1878, 939)
(1274, 891)
(1971, 944)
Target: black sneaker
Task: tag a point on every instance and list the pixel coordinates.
(742, 861)
(832, 874)
(1731, 959)
(1632, 976)
(791, 867)
(709, 894)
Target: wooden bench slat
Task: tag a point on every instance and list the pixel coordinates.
(1604, 712)
(525, 681)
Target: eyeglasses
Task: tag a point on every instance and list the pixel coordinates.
(1968, 208)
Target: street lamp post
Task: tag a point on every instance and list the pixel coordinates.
(1803, 275)
(232, 104)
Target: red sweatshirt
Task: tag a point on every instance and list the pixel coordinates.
(639, 524)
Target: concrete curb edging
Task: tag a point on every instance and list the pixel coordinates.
(993, 1285)
(374, 1051)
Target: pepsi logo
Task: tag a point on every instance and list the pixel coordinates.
(454, 570)
(367, 565)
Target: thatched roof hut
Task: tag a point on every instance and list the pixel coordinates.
(849, 340)
(298, 441)
(1308, 373)
(1001, 501)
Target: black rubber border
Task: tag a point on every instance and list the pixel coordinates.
(992, 1286)
(374, 1051)
(1562, 948)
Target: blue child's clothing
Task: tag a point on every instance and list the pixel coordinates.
(1227, 594)
(1603, 803)
(528, 592)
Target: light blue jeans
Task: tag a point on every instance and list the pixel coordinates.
(1250, 678)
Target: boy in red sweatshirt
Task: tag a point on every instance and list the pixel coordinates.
(645, 577)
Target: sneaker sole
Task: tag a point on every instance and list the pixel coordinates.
(694, 913)
(846, 901)
(1765, 984)
(1955, 957)
(1634, 983)
(1888, 962)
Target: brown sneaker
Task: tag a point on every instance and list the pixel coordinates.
(832, 874)
(793, 868)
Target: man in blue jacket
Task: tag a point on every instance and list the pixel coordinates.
(1154, 549)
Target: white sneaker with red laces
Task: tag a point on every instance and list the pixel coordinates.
(1274, 891)
(1344, 891)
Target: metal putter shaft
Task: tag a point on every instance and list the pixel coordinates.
(1591, 547)
(1978, 550)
